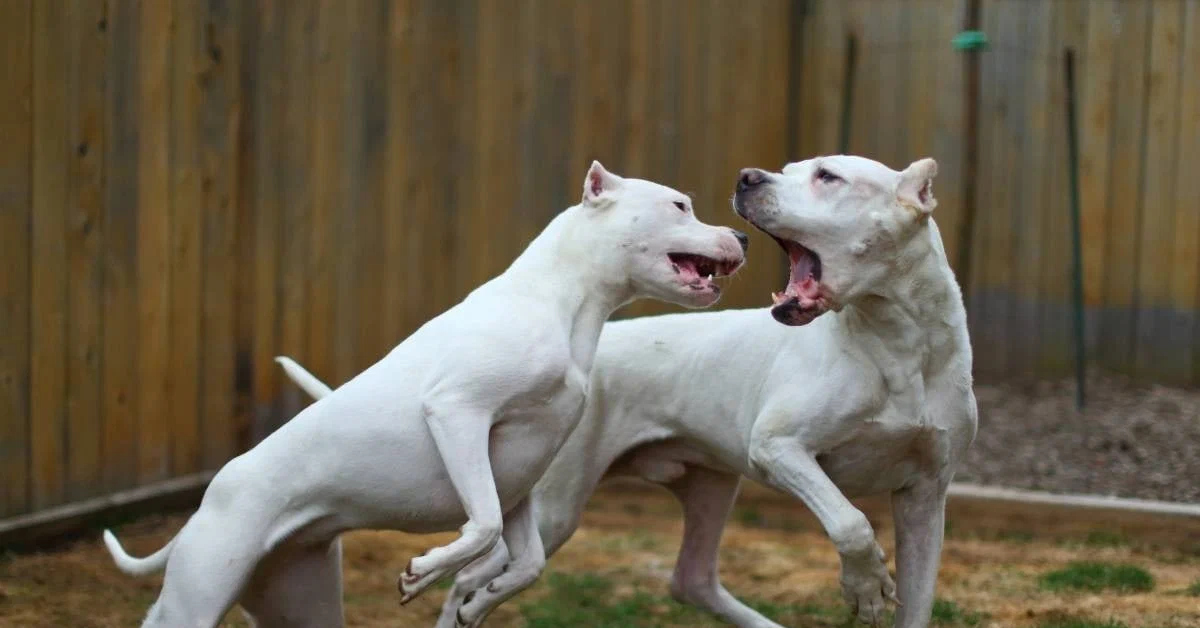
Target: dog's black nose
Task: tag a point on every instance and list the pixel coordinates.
(742, 239)
(750, 177)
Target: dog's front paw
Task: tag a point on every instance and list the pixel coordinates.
(420, 572)
(867, 586)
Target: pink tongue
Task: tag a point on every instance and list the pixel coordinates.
(801, 283)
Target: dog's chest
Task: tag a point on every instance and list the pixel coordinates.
(883, 457)
(531, 430)
(887, 451)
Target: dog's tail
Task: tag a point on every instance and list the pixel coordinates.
(136, 566)
(302, 378)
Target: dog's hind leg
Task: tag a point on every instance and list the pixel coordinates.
(473, 576)
(297, 587)
(527, 558)
(707, 497)
(462, 437)
(208, 567)
(919, 512)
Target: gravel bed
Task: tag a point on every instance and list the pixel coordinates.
(1130, 441)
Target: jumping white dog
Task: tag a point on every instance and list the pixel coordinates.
(451, 428)
(875, 398)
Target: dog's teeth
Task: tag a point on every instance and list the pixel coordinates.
(710, 276)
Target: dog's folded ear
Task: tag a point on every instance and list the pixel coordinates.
(598, 185)
(915, 189)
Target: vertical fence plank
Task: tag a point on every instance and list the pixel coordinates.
(1096, 69)
(154, 239)
(1116, 348)
(889, 52)
(1155, 348)
(822, 76)
(1185, 278)
(498, 144)
(121, 333)
(327, 203)
(186, 236)
(293, 170)
(220, 116)
(371, 124)
(946, 124)
(51, 159)
(245, 203)
(551, 180)
(1056, 346)
(89, 47)
(1028, 49)
(399, 216)
(269, 143)
(990, 265)
(346, 183)
(16, 153)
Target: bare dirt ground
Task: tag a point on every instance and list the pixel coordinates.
(614, 572)
(1131, 440)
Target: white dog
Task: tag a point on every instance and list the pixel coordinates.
(454, 425)
(873, 399)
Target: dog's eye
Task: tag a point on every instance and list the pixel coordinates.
(680, 206)
(825, 176)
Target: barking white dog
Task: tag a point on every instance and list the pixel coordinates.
(873, 399)
(451, 428)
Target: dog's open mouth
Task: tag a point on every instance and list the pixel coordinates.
(697, 271)
(802, 300)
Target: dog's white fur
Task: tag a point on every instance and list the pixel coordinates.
(873, 399)
(451, 428)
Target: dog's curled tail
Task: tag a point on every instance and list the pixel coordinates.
(305, 380)
(136, 566)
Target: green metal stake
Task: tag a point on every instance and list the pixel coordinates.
(1076, 236)
(970, 40)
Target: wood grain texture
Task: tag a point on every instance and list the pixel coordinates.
(121, 330)
(187, 213)
(48, 301)
(85, 248)
(193, 187)
(1154, 345)
(220, 117)
(269, 141)
(328, 206)
(153, 239)
(16, 207)
(1116, 348)
(1185, 279)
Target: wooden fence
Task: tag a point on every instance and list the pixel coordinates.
(191, 187)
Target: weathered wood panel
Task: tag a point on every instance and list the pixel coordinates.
(16, 193)
(207, 184)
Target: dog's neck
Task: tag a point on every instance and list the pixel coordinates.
(566, 266)
(920, 315)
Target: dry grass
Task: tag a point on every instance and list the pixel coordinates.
(614, 573)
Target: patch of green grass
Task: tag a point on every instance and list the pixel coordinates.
(947, 613)
(1194, 589)
(590, 600)
(1096, 577)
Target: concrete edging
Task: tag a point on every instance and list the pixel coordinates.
(1074, 500)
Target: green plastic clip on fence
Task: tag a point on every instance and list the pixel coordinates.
(970, 40)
